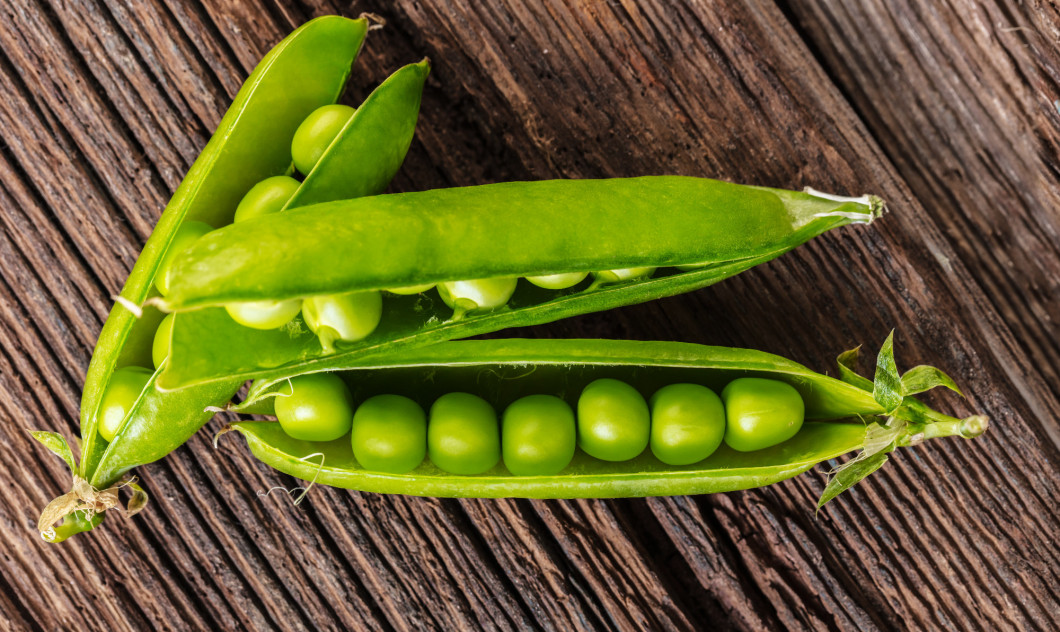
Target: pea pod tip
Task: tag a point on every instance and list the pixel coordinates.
(972, 427)
(877, 207)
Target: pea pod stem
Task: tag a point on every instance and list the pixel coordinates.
(968, 428)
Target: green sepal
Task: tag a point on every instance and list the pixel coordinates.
(924, 378)
(58, 445)
(850, 474)
(880, 438)
(848, 367)
(883, 437)
(139, 498)
(887, 385)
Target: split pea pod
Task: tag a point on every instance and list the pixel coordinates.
(485, 232)
(841, 417)
(304, 72)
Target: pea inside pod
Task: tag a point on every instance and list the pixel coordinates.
(317, 407)
(688, 423)
(463, 435)
(316, 132)
(269, 196)
(389, 434)
(539, 435)
(614, 423)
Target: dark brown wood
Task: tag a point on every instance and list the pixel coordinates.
(946, 109)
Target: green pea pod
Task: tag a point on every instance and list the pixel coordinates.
(307, 70)
(251, 143)
(842, 418)
(499, 230)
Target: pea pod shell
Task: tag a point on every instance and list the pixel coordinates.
(214, 348)
(240, 153)
(366, 154)
(507, 369)
(498, 230)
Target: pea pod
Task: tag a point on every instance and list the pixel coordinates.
(491, 231)
(305, 71)
(841, 417)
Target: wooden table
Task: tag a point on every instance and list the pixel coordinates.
(946, 109)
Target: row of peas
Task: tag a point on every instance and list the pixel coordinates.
(538, 434)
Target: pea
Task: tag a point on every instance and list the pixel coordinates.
(484, 294)
(760, 413)
(266, 197)
(411, 289)
(463, 436)
(163, 338)
(560, 281)
(389, 434)
(624, 274)
(187, 234)
(613, 420)
(687, 423)
(124, 389)
(264, 314)
(348, 317)
(538, 436)
(319, 408)
(315, 134)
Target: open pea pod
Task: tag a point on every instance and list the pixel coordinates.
(841, 417)
(305, 71)
(499, 230)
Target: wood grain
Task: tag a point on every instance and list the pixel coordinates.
(946, 109)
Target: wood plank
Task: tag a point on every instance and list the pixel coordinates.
(946, 109)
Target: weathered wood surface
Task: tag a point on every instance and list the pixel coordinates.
(944, 108)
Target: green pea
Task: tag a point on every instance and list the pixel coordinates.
(480, 294)
(760, 413)
(264, 314)
(560, 281)
(163, 338)
(463, 436)
(315, 134)
(624, 274)
(687, 423)
(411, 289)
(348, 317)
(187, 234)
(538, 436)
(389, 434)
(124, 389)
(319, 408)
(613, 420)
(266, 197)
